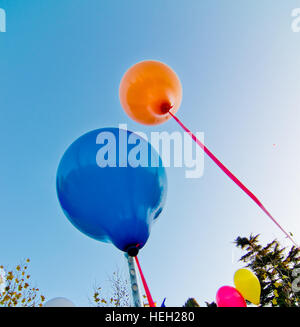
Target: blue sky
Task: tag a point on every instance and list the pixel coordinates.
(60, 67)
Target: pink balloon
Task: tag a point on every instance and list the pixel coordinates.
(228, 296)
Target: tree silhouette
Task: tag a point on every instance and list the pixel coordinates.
(275, 268)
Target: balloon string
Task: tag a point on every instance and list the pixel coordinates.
(148, 294)
(232, 177)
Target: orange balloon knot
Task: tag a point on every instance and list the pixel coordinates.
(165, 107)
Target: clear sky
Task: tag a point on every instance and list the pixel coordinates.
(61, 62)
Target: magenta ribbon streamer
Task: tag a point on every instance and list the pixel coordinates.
(232, 177)
(146, 288)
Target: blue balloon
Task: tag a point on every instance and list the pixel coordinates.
(111, 185)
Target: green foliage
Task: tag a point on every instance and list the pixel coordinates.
(273, 266)
(191, 303)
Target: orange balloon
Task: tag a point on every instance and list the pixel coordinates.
(148, 91)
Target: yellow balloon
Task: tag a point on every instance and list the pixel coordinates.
(248, 285)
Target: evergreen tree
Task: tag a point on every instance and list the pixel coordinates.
(191, 303)
(211, 305)
(275, 268)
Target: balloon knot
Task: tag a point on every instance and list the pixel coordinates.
(132, 250)
(165, 107)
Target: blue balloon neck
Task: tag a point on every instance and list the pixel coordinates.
(132, 250)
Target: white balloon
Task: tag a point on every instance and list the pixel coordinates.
(59, 302)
